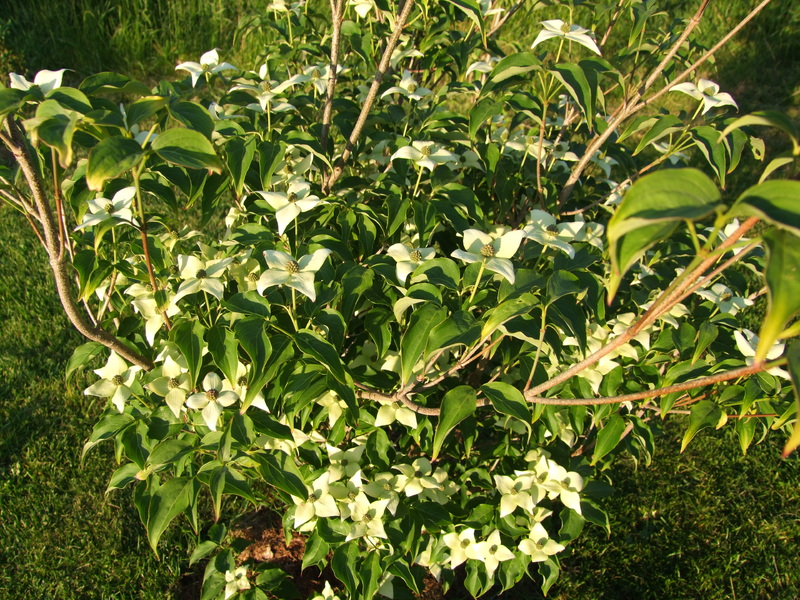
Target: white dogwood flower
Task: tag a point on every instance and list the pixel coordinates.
(209, 63)
(490, 552)
(116, 380)
(408, 259)
(297, 274)
(538, 544)
(236, 581)
(288, 206)
(708, 92)
(45, 80)
(116, 210)
(201, 275)
(493, 251)
(556, 28)
(425, 155)
(212, 400)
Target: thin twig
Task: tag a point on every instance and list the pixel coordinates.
(614, 20)
(371, 96)
(337, 11)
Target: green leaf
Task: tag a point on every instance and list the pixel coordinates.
(703, 414)
(657, 127)
(563, 283)
(370, 574)
(485, 109)
(194, 116)
(123, 477)
(248, 303)
(507, 310)
(769, 118)
(189, 338)
(187, 148)
(224, 350)
(457, 405)
(510, 70)
(166, 503)
(508, 400)
(274, 472)
(109, 426)
(169, 451)
(316, 551)
(420, 325)
(311, 343)
(112, 82)
(459, 329)
(651, 210)
(581, 82)
(251, 332)
(239, 154)
(144, 108)
(783, 287)
(344, 566)
(473, 10)
(10, 100)
(438, 271)
(111, 158)
(83, 355)
(775, 201)
(714, 148)
(608, 437)
(793, 356)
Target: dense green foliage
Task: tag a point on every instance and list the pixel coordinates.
(357, 338)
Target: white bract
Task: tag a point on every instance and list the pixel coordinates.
(556, 28)
(538, 544)
(409, 88)
(297, 274)
(117, 378)
(708, 92)
(721, 295)
(490, 552)
(45, 80)
(173, 384)
(425, 155)
(201, 275)
(212, 400)
(117, 210)
(209, 63)
(459, 543)
(288, 206)
(236, 581)
(543, 229)
(408, 259)
(493, 251)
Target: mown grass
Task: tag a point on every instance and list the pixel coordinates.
(706, 524)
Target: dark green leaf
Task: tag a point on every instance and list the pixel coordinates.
(189, 338)
(345, 567)
(508, 400)
(111, 158)
(82, 355)
(422, 322)
(166, 503)
(775, 201)
(608, 437)
(187, 148)
(311, 343)
(457, 405)
(703, 414)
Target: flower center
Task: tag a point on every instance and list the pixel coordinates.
(173, 270)
(312, 498)
(493, 549)
(565, 28)
(173, 383)
(539, 545)
(352, 495)
(117, 380)
(289, 170)
(201, 274)
(487, 251)
(367, 517)
(212, 395)
(292, 197)
(242, 381)
(412, 87)
(551, 230)
(315, 74)
(345, 462)
(426, 151)
(292, 267)
(416, 256)
(387, 486)
(266, 86)
(726, 296)
(252, 277)
(464, 543)
(109, 208)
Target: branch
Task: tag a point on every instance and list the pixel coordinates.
(509, 13)
(17, 144)
(678, 387)
(337, 11)
(371, 95)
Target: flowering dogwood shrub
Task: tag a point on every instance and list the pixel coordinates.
(413, 286)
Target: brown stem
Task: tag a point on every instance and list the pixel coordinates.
(371, 96)
(678, 387)
(16, 143)
(613, 22)
(509, 13)
(337, 11)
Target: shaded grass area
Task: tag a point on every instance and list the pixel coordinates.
(61, 537)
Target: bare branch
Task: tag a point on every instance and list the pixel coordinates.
(337, 11)
(371, 96)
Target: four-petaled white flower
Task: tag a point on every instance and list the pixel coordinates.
(236, 581)
(288, 206)
(517, 492)
(556, 28)
(45, 80)
(543, 229)
(117, 377)
(409, 88)
(494, 252)
(408, 259)
(389, 413)
(747, 343)
(320, 502)
(201, 275)
(490, 551)
(116, 210)
(425, 155)
(209, 63)
(370, 523)
(212, 399)
(173, 384)
(297, 274)
(239, 387)
(708, 92)
(538, 544)
(417, 477)
(362, 7)
(458, 544)
(721, 295)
